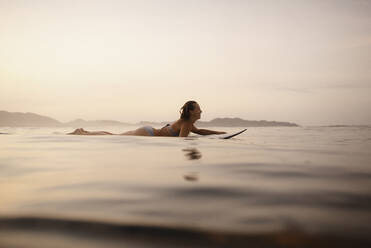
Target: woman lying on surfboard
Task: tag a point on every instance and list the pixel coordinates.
(189, 114)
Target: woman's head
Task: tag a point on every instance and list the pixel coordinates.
(190, 109)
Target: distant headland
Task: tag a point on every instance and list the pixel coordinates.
(17, 119)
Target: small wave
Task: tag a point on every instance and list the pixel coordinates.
(104, 234)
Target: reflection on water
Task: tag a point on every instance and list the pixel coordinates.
(192, 153)
(276, 187)
(192, 177)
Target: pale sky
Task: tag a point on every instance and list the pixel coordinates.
(307, 62)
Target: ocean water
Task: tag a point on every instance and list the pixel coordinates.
(268, 187)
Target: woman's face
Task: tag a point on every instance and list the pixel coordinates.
(196, 112)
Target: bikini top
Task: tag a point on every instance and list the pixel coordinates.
(171, 130)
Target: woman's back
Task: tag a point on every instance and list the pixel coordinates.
(170, 129)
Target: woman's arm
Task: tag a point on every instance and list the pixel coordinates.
(185, 129)
(205, 131)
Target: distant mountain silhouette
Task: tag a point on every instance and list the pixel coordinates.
(17, 119)
(83, 123)
(238, 122)
(362, 126)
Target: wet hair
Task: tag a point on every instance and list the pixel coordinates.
(184, 111)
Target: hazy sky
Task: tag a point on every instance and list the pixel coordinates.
(307, 62)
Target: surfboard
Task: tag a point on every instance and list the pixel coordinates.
(228, 136)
